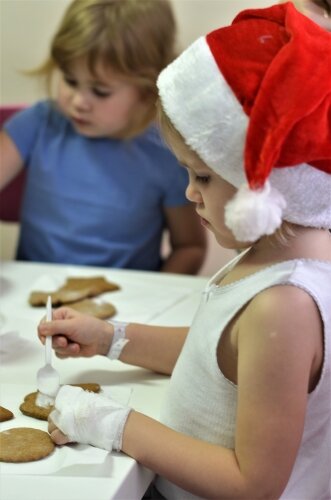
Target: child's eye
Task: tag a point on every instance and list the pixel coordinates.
(202, 179)
(103, 94)
(70, 81)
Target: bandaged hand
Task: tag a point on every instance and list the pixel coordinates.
(89, 418)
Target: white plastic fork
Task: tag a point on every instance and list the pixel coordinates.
(48, 379)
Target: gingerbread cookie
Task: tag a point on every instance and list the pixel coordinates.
(89, 386)
(30, 409)
(5, 414)
(102, 310)
(24, 444)
(73, 290)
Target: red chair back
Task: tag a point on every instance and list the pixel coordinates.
(11, 195)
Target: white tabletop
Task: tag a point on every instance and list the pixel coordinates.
(154, 298)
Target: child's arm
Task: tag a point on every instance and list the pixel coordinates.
(153, 347)
(279, 357)
(11, 161)
(279, 360)
(187, 241)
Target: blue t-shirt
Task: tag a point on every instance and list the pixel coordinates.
(93, 201)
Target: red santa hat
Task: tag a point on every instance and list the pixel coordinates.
(254, 101)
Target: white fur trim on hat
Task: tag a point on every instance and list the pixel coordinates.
(216, 131)
(307, 192)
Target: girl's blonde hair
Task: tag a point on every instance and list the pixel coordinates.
(134, 38)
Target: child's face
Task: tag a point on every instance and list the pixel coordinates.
(103, 106)
(210, 193)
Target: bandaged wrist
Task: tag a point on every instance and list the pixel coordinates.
(88, 418)
(119, 340)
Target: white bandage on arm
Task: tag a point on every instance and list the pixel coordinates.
(88, 418)
(119, 340)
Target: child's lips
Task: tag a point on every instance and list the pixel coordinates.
(80, 121)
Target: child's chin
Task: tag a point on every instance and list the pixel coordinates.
(85, 131)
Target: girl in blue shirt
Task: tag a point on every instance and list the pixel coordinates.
(101, 185)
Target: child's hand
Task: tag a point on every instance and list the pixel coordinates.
(57, 436)
(87, 418)
(76, 334)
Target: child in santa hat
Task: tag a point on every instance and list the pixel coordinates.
(247, 110)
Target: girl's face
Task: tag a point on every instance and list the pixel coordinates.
(210, 193)
(102, 106)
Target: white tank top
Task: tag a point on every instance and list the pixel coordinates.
(201, 402)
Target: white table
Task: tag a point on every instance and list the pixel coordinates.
(154, 298)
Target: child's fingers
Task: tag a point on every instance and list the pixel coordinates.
(56, 327)
(63, 313)
(62, 346)
(58, 437)
(60, 342)
(72, 349)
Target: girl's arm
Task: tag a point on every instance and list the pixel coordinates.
(278, 363)
(11, 161)
(153, 347)
(188, 241)
(79, 335)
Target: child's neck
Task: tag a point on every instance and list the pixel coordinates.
(307, 243)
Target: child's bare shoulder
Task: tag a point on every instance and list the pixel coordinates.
(282, 309)
(283, 296)
(281, 333)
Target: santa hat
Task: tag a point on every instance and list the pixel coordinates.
(254, 101)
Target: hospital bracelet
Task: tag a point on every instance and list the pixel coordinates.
(119, 340)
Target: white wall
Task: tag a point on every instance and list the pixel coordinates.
(26, 27)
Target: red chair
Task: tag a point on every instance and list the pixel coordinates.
(11, 195)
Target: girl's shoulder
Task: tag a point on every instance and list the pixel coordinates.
(33, 126)
(294, 303)
(281, 299)
(35, 115)
(48, 110)
(165, 170)
(152, 138)
(310, 271)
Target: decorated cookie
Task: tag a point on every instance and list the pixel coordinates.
(30, 409)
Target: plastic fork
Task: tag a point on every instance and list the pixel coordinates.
(48, 379)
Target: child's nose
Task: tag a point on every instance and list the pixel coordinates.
(193, 194)
(80, 100)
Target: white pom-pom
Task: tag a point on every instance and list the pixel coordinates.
(254, 213)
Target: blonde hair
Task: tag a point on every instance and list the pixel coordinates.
(134, 38)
